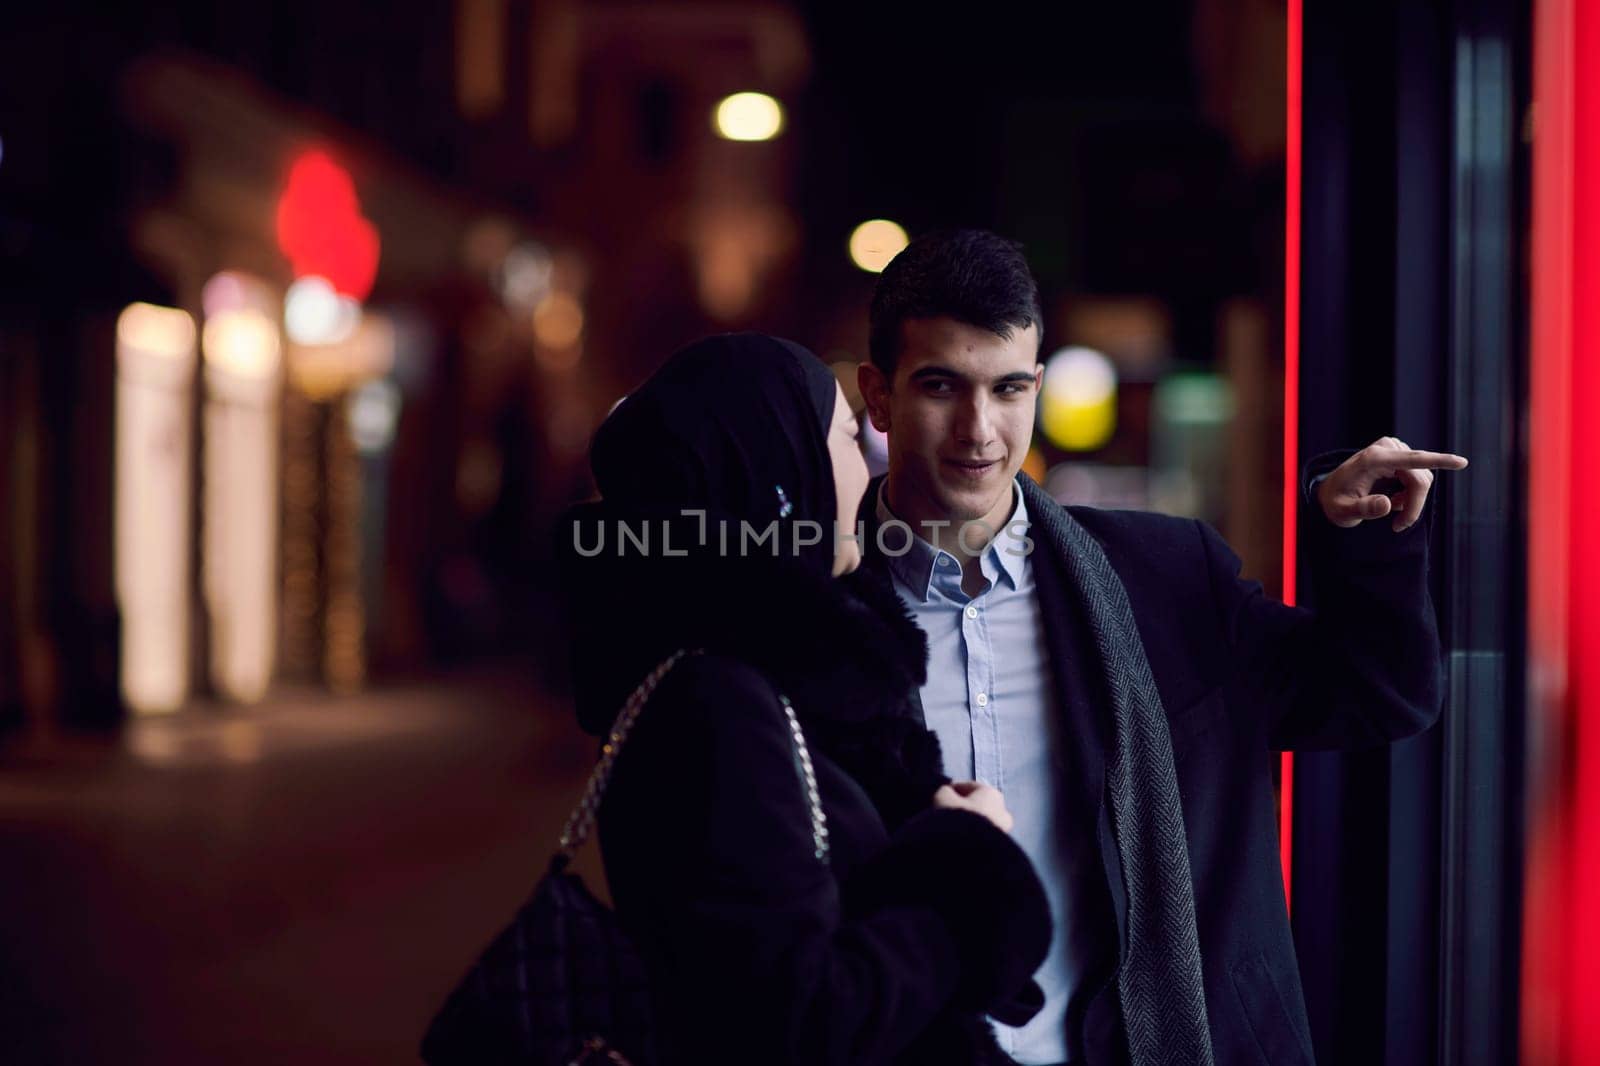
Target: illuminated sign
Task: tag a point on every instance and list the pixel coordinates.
(321, 229)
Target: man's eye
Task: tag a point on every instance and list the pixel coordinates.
(1011, 388)
(938, 388)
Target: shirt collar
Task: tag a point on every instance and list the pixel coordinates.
(915, 566)
(1010, 545)
(911, 563)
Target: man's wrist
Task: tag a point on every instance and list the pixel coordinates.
(1316, 496)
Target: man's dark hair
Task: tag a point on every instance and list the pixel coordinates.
(970, 275)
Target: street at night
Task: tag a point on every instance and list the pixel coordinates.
(300, 881)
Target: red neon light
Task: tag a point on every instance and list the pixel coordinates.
(320, 227)
(1561, 914)
(1291, 388)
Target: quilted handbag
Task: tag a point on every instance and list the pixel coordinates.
(561, 985)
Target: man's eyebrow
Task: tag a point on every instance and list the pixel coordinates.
(927, 372)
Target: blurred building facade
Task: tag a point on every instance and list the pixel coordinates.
(548, 211)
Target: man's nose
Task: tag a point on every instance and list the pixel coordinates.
(974, 425)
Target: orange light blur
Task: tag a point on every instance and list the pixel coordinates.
(558, 321)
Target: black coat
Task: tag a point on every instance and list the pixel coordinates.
(1240, 676)
(759, 952)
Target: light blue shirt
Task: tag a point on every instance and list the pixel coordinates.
(990, 699)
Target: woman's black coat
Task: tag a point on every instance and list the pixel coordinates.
(918, 922)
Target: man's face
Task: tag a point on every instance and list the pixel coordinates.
(959, 415)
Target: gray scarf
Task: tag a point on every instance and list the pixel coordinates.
(1160, 982)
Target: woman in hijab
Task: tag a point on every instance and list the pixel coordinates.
(883, 936)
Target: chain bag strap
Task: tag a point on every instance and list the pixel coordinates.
(580, 823)
(819, 825)
(561, 985)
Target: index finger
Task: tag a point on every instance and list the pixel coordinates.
(1412, 459)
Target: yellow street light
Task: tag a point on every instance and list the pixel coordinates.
(748, 117)
(875, 242)
(1078, 402)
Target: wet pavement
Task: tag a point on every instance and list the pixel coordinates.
(301, 881)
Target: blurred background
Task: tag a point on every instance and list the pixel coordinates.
(308, 309)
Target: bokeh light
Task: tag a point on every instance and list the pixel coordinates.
(1078, 403)
(558, 321)
(875, 242)
(167, 332)
(1034, 465)
(525, 275)
(321, 229)
(315, 313)
(226, 291)
(243, 342)
(748, 117)
(1193, 398)
(374, 412)
(150, 503)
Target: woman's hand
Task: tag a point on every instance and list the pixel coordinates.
(977, 797)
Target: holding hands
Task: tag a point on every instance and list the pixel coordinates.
(1356, 492)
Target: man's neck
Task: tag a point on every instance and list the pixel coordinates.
(944, 532)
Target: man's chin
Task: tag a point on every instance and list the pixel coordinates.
(970, 505)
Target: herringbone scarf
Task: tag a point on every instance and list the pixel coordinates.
(1161, 983)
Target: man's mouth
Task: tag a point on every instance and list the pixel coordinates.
(973, 469)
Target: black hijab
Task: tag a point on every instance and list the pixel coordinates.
(737, 426)
(734, 425)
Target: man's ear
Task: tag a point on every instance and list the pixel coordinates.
(875, 391)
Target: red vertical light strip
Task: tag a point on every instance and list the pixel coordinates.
(1561, 913)
(1581, 993)
(1550, 317)
(1291, 387)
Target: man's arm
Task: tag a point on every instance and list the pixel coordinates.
(1364, 668)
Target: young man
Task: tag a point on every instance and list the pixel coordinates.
(1111, 674)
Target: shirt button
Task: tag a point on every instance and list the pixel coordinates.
(945, 561)
(983, 699)
(972, 612)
